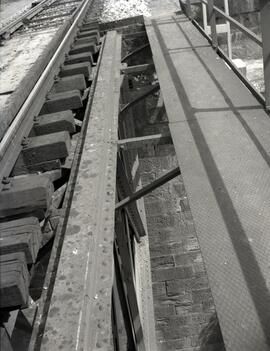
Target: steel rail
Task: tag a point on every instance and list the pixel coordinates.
(17, 23)
(10, 145)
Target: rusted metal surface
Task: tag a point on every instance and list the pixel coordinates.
(79, 317)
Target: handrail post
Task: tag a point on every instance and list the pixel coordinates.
(189, 12)
(265, 20)
(212, 20)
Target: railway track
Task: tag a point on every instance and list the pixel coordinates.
(39, 155)
(26, 48)
(46, 10)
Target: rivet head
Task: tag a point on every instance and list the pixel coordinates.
(5, 180)
(24, 141)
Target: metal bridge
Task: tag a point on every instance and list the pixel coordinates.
(97, 293)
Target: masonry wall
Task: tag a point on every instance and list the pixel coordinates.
(182, 298)
(184, 309)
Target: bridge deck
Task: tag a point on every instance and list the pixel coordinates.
(222, 140)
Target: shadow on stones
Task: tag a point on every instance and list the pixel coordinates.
(211, 337)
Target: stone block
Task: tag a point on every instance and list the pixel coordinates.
(159, 289)
(164, 250)
(172, 273)
(169, 235)
(179, 286)
(199, 267)
(171, 333)
(200, 295)
(186, 309)
(188, 215)
(163, 221)
(184, 204)
(191, 257)
(171, 345)
(161, 262)
(147, 178)
(159, 206)
(179, 188)
(162, 311)
(192, 244)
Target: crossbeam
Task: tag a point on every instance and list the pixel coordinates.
(148, 188)
(137, 68)
(152, 90)
(139, 142)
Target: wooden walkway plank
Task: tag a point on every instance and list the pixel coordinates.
(80, 310)
(221, 137)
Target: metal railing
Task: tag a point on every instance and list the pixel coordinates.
(213, 11)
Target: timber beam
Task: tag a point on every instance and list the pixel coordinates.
(148, 188)
(140, 142)
(138, 68)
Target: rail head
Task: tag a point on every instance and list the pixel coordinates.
(11, 27)
(11, 143)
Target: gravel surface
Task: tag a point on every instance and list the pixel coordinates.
(117, 9)
(10, 9)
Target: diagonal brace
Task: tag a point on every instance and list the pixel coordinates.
(148, 188)
(151, 91)
(141, 48)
